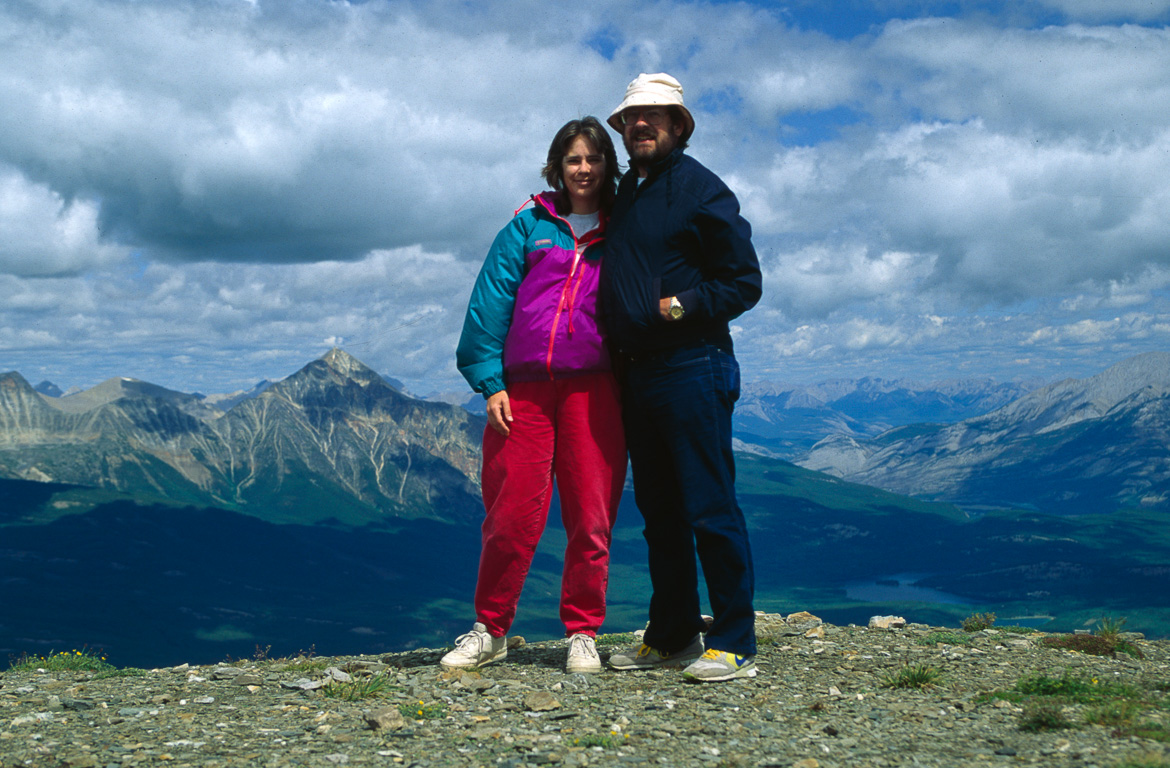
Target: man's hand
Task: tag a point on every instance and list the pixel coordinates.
(499, 412)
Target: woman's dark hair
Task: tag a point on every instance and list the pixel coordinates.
(590, 129)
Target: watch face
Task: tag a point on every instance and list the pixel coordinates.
(676, 311)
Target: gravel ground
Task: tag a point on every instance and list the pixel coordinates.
(818, 702)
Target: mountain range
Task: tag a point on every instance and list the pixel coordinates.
(333, 442)
(332, 509)
(786, 421)
(1077, 446)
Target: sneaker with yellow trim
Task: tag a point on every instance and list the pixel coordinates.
(715, 665)
(644, 657)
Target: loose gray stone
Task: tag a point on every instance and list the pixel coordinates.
(385, 719)
(541, 701)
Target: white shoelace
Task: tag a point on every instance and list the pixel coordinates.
(579, 645)
(471, 637)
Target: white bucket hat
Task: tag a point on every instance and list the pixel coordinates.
(654, 90)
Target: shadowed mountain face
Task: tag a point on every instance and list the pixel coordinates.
(1078, 446)
(333, 442)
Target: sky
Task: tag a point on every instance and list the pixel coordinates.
(206, 193)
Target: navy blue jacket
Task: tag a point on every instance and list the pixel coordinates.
(678, 233)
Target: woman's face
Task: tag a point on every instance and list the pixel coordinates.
(583, 171)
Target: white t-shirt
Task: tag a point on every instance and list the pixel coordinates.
(584, 222)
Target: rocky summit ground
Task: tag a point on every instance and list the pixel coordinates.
(825, 697)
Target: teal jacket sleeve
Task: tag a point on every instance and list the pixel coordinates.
(480, 354)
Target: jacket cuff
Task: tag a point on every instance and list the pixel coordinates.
(689, 300)
(490, 386)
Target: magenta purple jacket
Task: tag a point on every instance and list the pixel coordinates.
(533, 312)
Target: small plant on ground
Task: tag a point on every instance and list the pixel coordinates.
(1113, 714)
(1013, 629)
(306, 662)
(912, 676)
(1114, 705)
(1110, 627)
(360, 688)
(1043, 716)
(1096, 645)
(1071, 688)
(947, 638)
(978, 622)
(127, 672)
(617, 638)
(606, 741)
(1148, 760)
(423, 711)
(1124, 718)
(64, 661)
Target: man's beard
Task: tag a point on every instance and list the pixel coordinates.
(647, 154)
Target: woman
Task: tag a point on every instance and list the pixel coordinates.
(533, 347)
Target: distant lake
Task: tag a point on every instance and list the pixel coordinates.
(900, 588)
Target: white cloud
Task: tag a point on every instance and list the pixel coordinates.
(179, 325)
(1107, 10)
(1097, 82)
(43, 234)
(218, 191)
(818, 280)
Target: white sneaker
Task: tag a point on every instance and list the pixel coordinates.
(583, 656)
(475, 649)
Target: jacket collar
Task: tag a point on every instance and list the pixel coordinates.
(548, 202)
(673, 158)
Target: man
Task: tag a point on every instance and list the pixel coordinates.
(679, 264)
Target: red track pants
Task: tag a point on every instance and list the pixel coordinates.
(570, 429)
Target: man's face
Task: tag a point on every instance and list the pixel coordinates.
(649, 134)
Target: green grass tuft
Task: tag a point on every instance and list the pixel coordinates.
(1013, 629)
(1110, 627)
(947, 638)
(1044, 716)
(125, 672)
(360, 688)
(912, 676)
(617, 638)
(1096, 645)
(423, 711)
(605, 741)
(1074, 689)
(1147, 760)
(978, 622)
(63, 661)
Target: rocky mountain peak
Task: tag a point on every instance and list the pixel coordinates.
(16, 393)
(346, 364)
(1094, 444)
(1115, 384)
(332, 441)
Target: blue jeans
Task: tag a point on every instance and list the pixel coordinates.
(676, 407)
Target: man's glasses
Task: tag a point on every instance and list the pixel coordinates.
(654, 116)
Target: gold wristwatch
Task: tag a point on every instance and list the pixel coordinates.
(676, 310)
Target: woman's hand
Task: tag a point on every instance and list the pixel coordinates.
(499, 412)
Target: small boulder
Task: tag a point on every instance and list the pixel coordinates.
(385, 719)
(886, 622)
